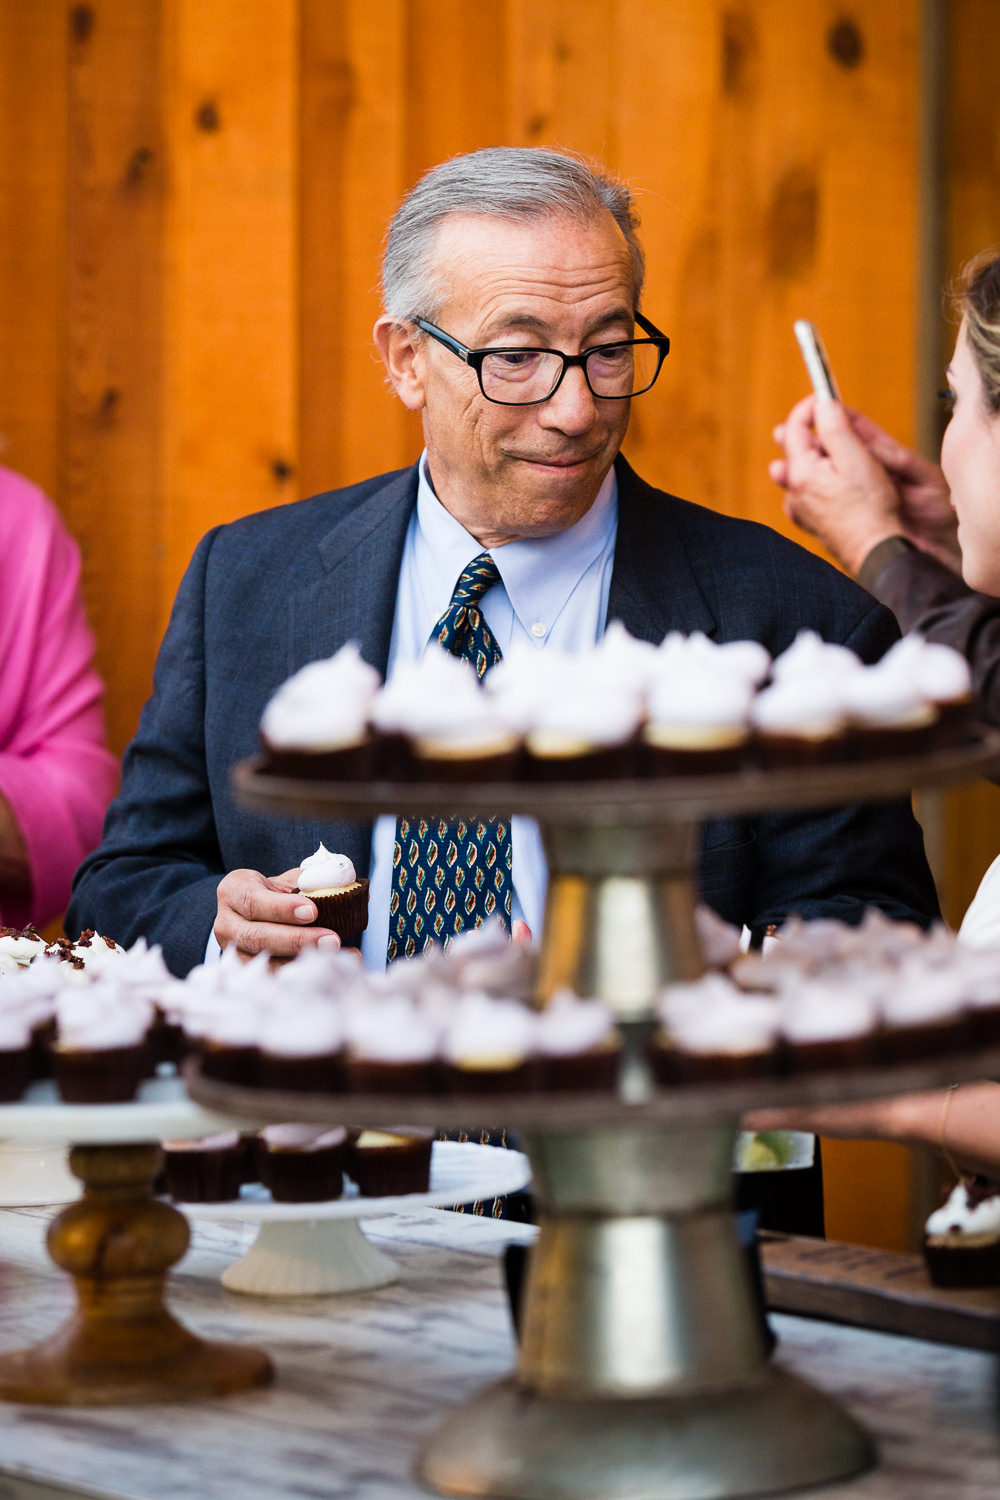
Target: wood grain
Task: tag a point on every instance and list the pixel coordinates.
(875, 1289)
(111, 482)
(33, 186)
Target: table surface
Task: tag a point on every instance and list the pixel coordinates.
(361, 1379)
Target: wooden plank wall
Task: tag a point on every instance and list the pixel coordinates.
(192, 200)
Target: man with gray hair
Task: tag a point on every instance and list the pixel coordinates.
(512, 283)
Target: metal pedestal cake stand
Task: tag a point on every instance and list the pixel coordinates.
(642, 1372)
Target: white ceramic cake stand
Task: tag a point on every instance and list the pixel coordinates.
(313, 1249)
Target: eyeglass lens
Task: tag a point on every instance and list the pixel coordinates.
(523, 375)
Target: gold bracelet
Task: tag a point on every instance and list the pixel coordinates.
(942, 1125)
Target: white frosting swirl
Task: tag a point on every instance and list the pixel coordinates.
(323, 871)
(958, 1218)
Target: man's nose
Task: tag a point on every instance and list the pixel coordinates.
(573, 407)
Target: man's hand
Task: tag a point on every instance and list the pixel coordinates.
(261, 915)
(852, 485)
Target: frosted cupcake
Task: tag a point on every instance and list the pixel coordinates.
(341, 898)
(696, 723)
(887, 711)
(923, 1013)
(800, 722)
(827, 1026)
(710, 1032)
(585, 731)
(100, 1053)
(489, 1047)
(962, 1239)
(943, 677)
(316, 724)
(302, 1048)
(578, 1044)
(391, 1048)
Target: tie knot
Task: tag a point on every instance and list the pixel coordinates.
(475, 580)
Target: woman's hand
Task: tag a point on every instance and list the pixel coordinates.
(852, 485)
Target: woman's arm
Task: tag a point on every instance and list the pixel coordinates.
(961, 1123)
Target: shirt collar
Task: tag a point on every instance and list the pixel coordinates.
(538, 573)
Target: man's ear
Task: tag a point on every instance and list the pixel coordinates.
(401, 348)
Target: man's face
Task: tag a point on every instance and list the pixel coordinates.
(505, 471)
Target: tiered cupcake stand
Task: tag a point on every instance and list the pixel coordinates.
(642, 1372)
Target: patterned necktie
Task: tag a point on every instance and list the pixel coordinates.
(447, 876)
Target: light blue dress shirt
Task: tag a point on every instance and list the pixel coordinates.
(554, 593)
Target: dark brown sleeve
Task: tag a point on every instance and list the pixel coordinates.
(925, 595)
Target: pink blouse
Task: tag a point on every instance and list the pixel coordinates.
(56, 773)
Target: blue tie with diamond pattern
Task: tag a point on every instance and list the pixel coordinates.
(447, 876)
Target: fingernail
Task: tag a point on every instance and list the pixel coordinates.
(329, 942)
(304, 913)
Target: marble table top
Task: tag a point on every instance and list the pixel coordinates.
(361, 1379)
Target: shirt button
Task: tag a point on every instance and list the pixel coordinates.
(538, 630)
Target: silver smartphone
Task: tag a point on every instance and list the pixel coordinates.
(815, 357)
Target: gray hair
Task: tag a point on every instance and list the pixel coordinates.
(520, 183)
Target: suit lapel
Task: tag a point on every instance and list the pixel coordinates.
(654, 588)
(354, 597)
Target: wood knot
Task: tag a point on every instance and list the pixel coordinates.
(138, 164)
(281, 470)
(845, 43)
(81, 23)
(793, 222)
(109, 403)
(739, 51)
(207, 117)
(537, 125)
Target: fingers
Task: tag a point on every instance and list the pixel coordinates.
(260, 915)
(797, 435)
(520, 932)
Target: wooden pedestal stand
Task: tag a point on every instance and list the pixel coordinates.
(121, 1344)
(118, 1243)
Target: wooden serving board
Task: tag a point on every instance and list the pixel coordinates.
(877, 1289)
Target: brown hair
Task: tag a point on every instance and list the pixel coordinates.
(977, 300)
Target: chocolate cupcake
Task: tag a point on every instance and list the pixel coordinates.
(15, 1054)
(100, 1053)
(887, 712)
(962, 1239)
(391, 1047)
(489, 1047)
(210, 1169)
(579, 1047)
(341, 898)
(302, 1048)
(696, 724)
(584, 732)
(386, 1163)
(316, 724)
(302, 1163)
(827, 1026)
(712, 1033)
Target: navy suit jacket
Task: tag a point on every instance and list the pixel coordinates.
(275, 590)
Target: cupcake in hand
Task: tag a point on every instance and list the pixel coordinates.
(341, 899)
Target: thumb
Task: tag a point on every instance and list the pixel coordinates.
(834, 430)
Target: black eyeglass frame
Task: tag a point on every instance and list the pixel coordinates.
(474, 359)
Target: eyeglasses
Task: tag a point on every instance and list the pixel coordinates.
(524, 377)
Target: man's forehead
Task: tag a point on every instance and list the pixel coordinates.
(500, 261)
